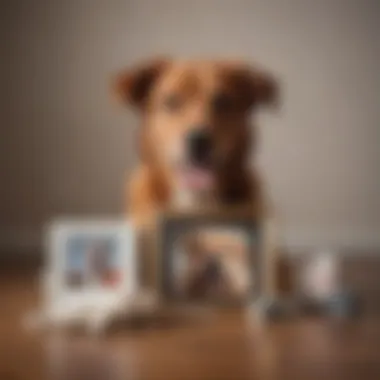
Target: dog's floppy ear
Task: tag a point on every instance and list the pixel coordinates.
(254, 87)
(133, 85)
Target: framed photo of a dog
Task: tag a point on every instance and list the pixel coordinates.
(210, 258)
(91, 266)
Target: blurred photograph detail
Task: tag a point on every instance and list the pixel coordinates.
(213, 264)
(76, 263)
(92, 260)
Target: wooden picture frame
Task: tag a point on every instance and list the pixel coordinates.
(175, 224)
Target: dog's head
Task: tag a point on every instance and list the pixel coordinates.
(196, 115)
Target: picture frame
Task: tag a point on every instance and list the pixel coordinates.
(318, 277)
(91, 267)
(175, 225)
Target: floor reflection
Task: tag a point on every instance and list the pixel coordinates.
(70, 358)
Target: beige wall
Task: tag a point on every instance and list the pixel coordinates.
(64, 149)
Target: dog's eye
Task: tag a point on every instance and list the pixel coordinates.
(172, 102)
(221, 103)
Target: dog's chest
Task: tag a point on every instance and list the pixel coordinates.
(185, 198)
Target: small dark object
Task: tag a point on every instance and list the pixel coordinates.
(206, 279)
(275, 309)
(345, 304)
(213, 270)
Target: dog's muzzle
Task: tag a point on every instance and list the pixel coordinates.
(199, 147)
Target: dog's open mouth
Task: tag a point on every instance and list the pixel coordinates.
(197, 177)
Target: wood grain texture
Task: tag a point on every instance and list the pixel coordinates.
(223, 347)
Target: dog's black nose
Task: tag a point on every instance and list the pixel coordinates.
(199, 146)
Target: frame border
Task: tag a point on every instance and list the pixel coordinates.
(174, 225)
(56, 235)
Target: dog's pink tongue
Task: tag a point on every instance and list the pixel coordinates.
(197, 178)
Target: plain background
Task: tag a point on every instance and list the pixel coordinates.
(67, 150)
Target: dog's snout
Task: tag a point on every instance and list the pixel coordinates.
(199, 145)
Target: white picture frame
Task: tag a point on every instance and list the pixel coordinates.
(97, 296)
(319, 276)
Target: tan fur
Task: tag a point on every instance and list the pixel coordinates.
(153, 185)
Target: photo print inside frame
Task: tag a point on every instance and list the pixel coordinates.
(211, 261)
(92, 261)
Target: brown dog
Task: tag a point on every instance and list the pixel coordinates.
(196, 138)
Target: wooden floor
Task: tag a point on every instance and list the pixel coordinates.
(224, 347)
